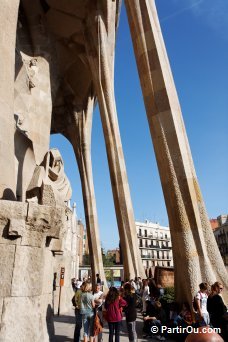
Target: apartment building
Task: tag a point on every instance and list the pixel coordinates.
(221, 236)
(154, 244)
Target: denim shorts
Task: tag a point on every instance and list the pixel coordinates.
(88, 320)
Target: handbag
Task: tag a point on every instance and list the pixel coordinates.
(97, 325)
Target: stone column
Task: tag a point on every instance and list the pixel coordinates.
(100, 40)
(196, 255)
(8, 23)
(79, 134)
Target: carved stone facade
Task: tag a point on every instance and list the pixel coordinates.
(33, 247)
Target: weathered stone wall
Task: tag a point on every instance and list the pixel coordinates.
(27, 267)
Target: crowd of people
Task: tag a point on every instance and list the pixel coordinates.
(92, 308)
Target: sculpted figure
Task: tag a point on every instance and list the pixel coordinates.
(49, 184)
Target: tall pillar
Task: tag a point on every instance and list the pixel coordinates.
(8, 23)
(196, 255)
(79, 134)
(100, 40)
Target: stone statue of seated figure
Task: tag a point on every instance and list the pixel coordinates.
(49, 184)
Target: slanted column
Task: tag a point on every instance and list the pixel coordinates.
(195, 251)
(8, 23)
(100, 40)
(79, 134)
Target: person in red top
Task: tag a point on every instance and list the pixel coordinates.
(113, 305)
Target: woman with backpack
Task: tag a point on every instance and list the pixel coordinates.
(114, 305)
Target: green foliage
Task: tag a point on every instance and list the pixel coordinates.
(169, 295)
(108, 260)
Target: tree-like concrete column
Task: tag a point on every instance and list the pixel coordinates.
(196, 255)
(9, 11)
(79, 134)
(100, 41)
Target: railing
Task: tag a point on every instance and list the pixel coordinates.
(155, 258)
(156, 247)
(143, 236)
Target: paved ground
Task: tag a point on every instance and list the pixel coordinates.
(64, 329)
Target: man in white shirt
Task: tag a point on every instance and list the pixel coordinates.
(98, 297)
(78, 283)
(201, 303)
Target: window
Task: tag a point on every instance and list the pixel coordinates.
(166, 236)
(168, 263)
(146, 243)
(140, 232)
(157, 254)
(145, 231)
(140, 243)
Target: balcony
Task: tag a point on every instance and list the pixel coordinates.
(159, 247)
(155, 258)
(150, 237)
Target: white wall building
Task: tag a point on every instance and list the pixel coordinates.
(221, 236)
(155, 244)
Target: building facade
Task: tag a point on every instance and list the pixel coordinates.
(154, 244)
(115, 253)
(221, 236)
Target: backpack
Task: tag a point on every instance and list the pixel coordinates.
(73, 301)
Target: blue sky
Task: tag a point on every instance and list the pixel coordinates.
(195, 34)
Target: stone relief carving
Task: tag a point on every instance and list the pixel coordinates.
(49, 184)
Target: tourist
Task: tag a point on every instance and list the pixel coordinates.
(145, 294)
(78, 283)
(78, 315)
(98, 300)
(87, 312)
(138, 283)
(156, 318)
(161, 291)
(98, 279)
(130, 311)
(201, 305)
(217, 309)
(73, 284)
(154, 291)
(113, 305)
(185, 316)
(133, 284)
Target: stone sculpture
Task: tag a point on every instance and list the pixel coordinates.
(51, 83)
(49, 184)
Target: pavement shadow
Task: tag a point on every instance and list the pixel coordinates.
(65, 319)
(62, 338)
(50, 323)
